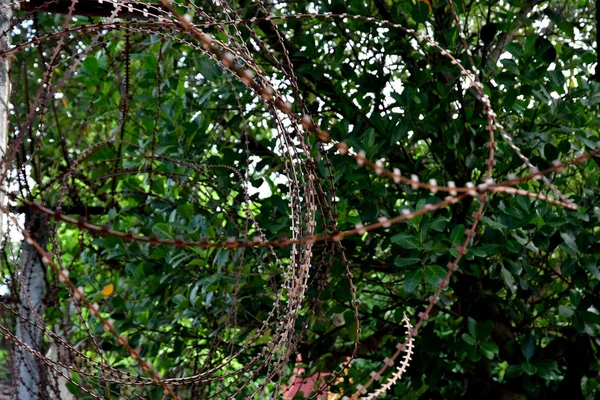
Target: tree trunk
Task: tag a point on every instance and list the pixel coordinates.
(29, 379)
(5, 16)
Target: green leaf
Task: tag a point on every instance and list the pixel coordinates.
(545, 50)
(513, 246)
(568, 267)
(342, 291)
(494, 224)
(412, 280)
(474, 354)
(369, 211)
(509, 280)
(369, 139)
(514, 371)
(472, 326)
(546, 369)
(157, 393)
(186, 211)
(515, 49)
(529, 369)
(565, 311)
(350, 324)
(471, 161)
(221, 257)
(207, 69)
(489, 349)
(567, 28)
(591, 318)
(194, 293)
(181, 301)
(90, 66)
(575, 298)
(457, 234)
(468, 339)
(420, 12)
(438, 225)
(528, 348)
(398, 132)
(486, 250)
(569, 241)
(434, 273)
(72, 388)
(403, 261)
(590, 265)
(484, 329)
(405, 240)
(162, 230)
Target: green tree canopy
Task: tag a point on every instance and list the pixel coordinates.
(231, 187)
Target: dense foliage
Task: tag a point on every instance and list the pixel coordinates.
(140, 130)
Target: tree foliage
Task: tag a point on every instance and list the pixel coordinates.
(174, 184)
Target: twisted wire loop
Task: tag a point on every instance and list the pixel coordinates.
(77, 320)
